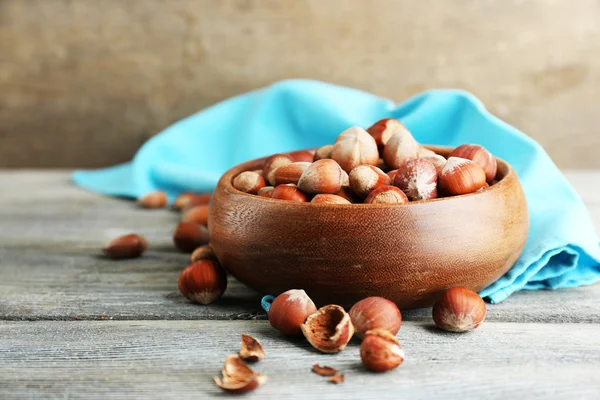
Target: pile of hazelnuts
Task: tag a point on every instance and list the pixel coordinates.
(383, 164)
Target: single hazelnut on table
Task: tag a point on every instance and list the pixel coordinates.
(380, 351)
(203, 253)
(288, 192)
(375, 313)
(461, 176)
(400, 148)
(355, 147)
(329, 329)
(182, 200)
(197, 200)
(272, 163)
(290, 310)
(384, 129)
(437, 161)
(365, 178)
(323, 152)
(459, 310)
(303, 156)
(267, 191)
(386, 195)
(203, 281)
(238, 377)
(480, 156)
(251, 350)
(249, 182)
(127, 246)
(198, 214)
(290, 173)
(417, 179)
(188, 236)
(323, 176)
(156, 199)
(329, 199)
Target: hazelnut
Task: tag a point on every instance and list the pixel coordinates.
(323, 176)
(272, 163)
(437, 161)
(424, 152)
(392, 174)
(461, 176)
(203, 253)
(290, 173)
(459, 310)
(329, 199)
(188, 236)
(197, 200)
(251, 350)
(182, 200)
(345, 178)
(288, 192)
(384, 129)
(365, 178)
(329, 329)
(127, 246)
(380, 351)
(203, 281)
(400, 148)
(289, 311)
(323, 152)
(248, 182)
(417, 179)
(355, 147)
(198, 214)
(238, 377)
(267, 191)
(480, 156)
(375, 313)
(303, 156)
(156, 199)
(386, 195)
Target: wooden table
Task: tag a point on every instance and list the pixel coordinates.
(76, 325)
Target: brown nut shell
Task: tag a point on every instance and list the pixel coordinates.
(355, 147)
(188, 236)
(126, 246)
(238, 377)
(290, 310)
(375, 313)
(288, 192)
(417, 179)
(461, 176)
(386, 195)
(459, 310)
(329, 329)
(380, 351)
(480, 156)
(323, 176)
(203, 281)
(366, 178)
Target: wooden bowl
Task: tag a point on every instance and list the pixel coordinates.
(340, 254)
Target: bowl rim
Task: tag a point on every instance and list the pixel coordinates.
(227, 180)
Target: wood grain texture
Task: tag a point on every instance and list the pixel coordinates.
(407, 253)
(85, 83)
(51, 233)
(177, 360)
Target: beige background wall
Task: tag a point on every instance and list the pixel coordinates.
(85, 82)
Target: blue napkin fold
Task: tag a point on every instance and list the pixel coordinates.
(562, 249)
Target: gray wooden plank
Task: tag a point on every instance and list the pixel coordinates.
(177, 359)
(51, 233)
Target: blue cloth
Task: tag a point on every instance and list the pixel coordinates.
(562, 249)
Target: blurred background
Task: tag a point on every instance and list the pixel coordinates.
(83, 83)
